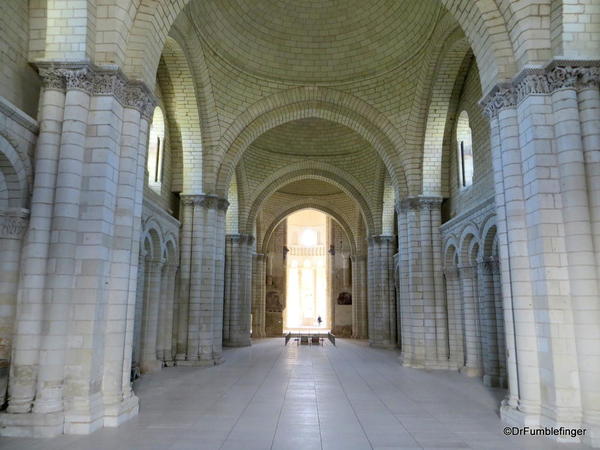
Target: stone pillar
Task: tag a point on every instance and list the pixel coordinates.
(206, 278)
(34, 259)
(78, 277)
(187, 222)
(13, 223)
(259, 295)
(455, 317)
(422, 297)
(238, 290)
(362, 314)
(165, 331)
(120, 403)
(139, 312)
(487, 320)
(382, 300)
(544, 169)
(149, 360)
(472, 335)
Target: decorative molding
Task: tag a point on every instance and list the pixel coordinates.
(13, 223)
(205, 201)
(381, 239)
(20, 117)
(240, 239)
(416, 203)
(98, 81)
(556, 75)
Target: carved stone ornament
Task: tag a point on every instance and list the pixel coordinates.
(206, 201)
(98, 81)
(240, 239)
(556, 75)
(13, 224)
(416, 203)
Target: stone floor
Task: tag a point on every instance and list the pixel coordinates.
(273, 397)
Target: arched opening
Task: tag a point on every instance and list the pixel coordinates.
(306, 266)
(465, 151)
(156, 143)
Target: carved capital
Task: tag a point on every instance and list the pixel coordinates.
(13, 223)
(381, 240)
(205, 201)
(417, 203)
(240, 239)
(98, 81)
(556, 75)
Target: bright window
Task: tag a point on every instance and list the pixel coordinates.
(465, 151)
(156, 149)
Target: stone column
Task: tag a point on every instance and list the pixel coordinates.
(487, 320)
(258, 294)
(166, 314)
(119, 402)
(468, 291)
(455, 317)
(206, 275)
(187, 223)
(238, 290)
(422, 297)
(149, 361)
(544, 169)
(139, 312)
(75, 293)
(30, 313)
(13, 223)
(382, 300)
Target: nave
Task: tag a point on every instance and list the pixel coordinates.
(271, 396)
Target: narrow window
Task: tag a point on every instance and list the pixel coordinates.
(465, 151)
(156, 150)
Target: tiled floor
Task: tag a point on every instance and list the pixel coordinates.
(273, 397)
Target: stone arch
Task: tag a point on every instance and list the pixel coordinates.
(304, 204)
(310, 102)
(489, 236)
(450, 253)
(388, 209)
(317, 171)
(171, 249)
(153, 238)
(180, 99)
(451, 64)
(14, 175)
(468, 237)
(482, 21)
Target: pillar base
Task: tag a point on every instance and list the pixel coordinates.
(247, 343)
(215, 361)
(115, 415)
(87, 418)
(495, 381)
(32, 425)
(383, 345)
(471, 371)
(150, 366)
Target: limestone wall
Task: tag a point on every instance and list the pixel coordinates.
(19, 83)
(463, 199)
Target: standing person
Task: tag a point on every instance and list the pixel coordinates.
(319, 320)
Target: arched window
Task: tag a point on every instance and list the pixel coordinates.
(156, 149)
(465, 151)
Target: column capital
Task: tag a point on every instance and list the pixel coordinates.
(98, 81)
(259, 256)
(418, 202)
(381, 239)
(13, 223)
(558, 74)
(206, 201)
(241, 239)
